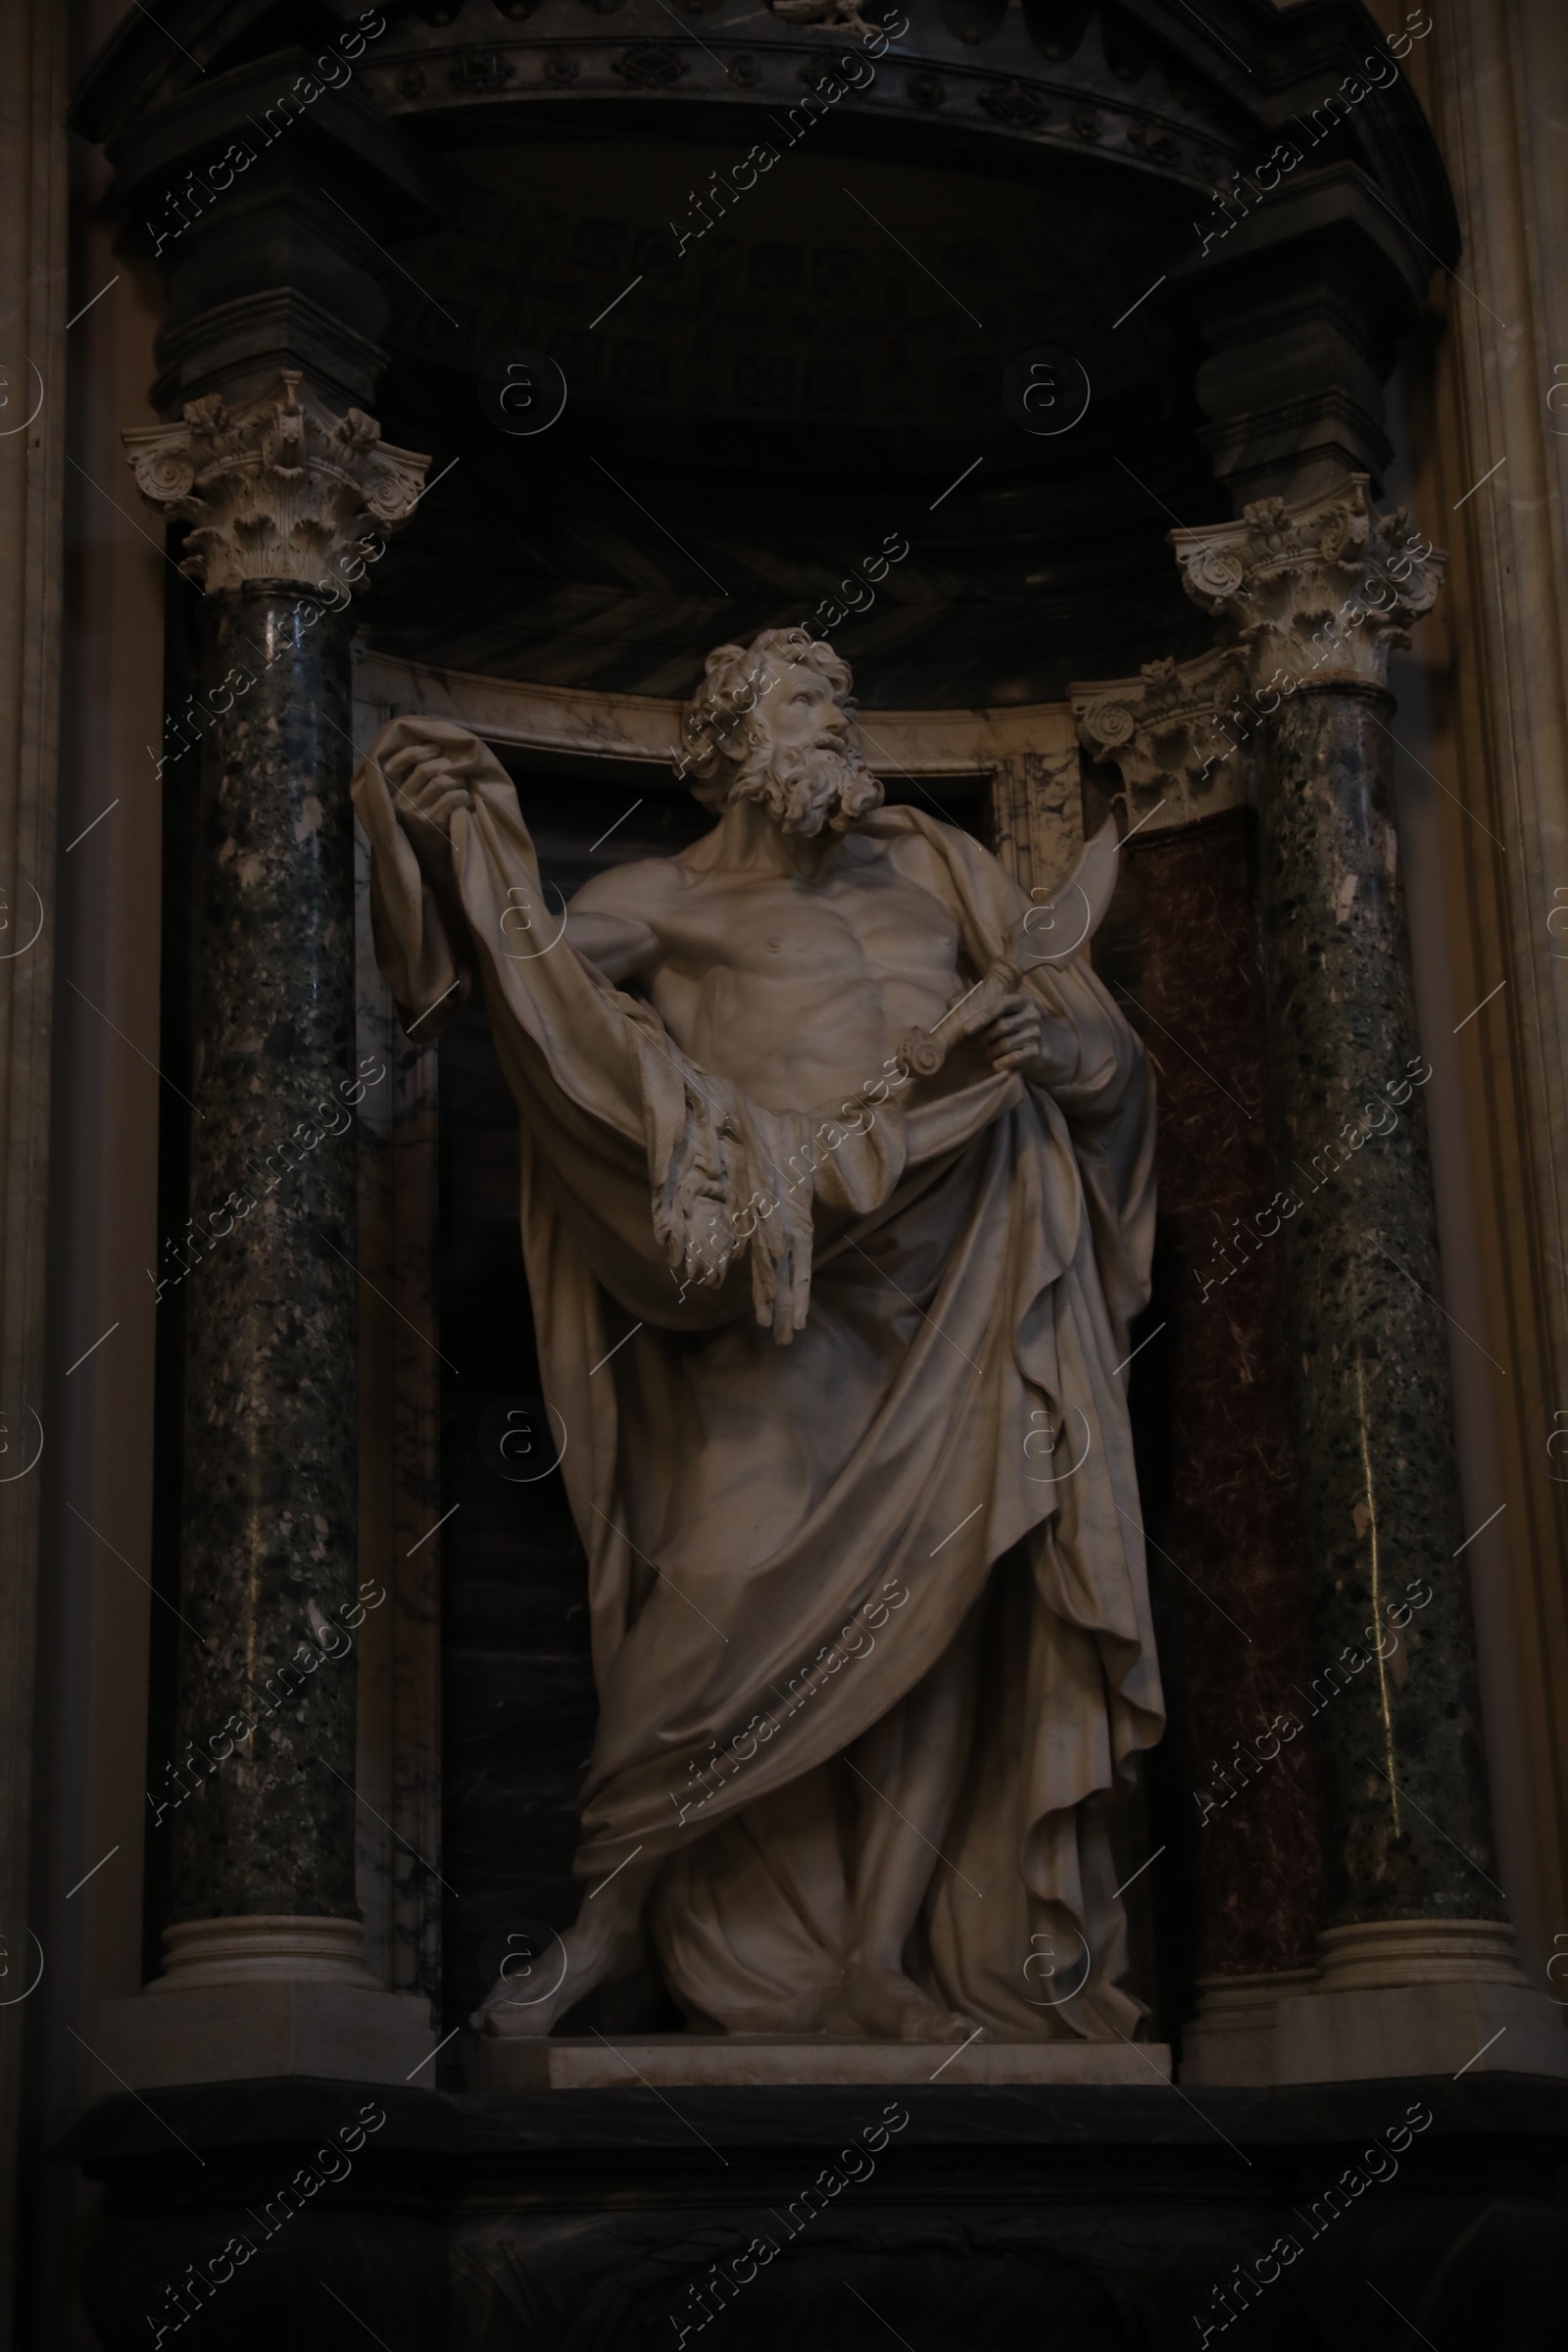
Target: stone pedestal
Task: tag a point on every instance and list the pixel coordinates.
(251, 2033)
(243, 1999)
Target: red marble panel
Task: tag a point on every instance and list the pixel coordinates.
(1231, 1527)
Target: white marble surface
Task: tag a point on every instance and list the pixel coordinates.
(755, 2061)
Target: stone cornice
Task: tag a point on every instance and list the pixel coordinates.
(279, 488)
(1143, 90)
(1315, 593)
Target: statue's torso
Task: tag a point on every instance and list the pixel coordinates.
(795, 991)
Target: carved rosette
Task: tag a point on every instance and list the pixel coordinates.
(278, 489)
(1170, 733)
(1316, 593)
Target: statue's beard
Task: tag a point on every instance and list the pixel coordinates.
(811, 786)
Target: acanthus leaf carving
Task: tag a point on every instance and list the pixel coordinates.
(1169, 733)
(1319, 592)
(279, 488)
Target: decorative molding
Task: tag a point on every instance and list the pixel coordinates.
(646, 727)
(652, 65)
(1164, 733)
(1316, 592)
(262, 1949)
(1372, 1953)
(482, 69)
(1151, 139)
(1015, 105)
(278, 489)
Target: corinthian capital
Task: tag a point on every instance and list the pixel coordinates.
(1316, 592)
(278, 489)
(1169, 734)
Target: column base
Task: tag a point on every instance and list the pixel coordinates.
(244, 1999)
(1232, 2039)
(270, 1947)
(1418, 1996)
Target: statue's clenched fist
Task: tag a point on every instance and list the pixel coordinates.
(431, 777)
(1024, 1037)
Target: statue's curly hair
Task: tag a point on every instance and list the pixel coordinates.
(724, 739)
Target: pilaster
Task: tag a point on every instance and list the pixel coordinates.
(33, 65)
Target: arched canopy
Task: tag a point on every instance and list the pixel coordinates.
(785, 257)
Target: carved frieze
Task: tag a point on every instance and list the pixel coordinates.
(1015, 105)
(1316, 593)
(279, 488)
(652, 65)
(479, 71)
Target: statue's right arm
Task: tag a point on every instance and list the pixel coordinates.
(606, 922)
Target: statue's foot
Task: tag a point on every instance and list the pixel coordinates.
(507, 2010)
(884, 2004)
(529, 2004)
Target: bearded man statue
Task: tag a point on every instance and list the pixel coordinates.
(837, 1204)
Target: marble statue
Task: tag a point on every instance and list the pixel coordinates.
(837, 1203)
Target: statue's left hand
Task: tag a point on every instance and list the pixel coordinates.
(1023, 1037)
(430, 780)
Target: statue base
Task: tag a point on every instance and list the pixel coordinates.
(502, 2062)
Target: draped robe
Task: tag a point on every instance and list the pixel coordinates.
(784, 1539)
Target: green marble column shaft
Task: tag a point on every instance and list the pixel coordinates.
(289, 502)
(1405, 1783)
(270, 1431)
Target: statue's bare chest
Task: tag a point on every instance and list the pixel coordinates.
(866, 926)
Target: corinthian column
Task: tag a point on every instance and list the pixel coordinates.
(288, 502)
(1417, 1965)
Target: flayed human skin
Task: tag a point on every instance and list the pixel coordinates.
(785, 951)
(771, 725)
